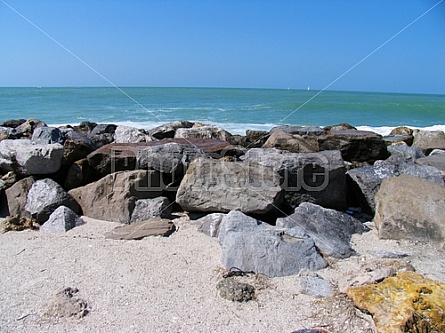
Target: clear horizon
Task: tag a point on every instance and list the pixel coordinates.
(394, 47)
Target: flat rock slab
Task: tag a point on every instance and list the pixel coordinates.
(139, 230)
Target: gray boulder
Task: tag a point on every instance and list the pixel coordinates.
(16, 197)
(221, 186)
(310, 283)
(331, 230)
(46, 135)
(203, 132)
(429, 140)
(45, 196)
(27, 158)
(127, 134)
(435, 160)
(145, 209)
(167, 131)
(307, 177)
(364, 182)
(210, 223)
(171, 158)
(142, 229)
(113, 197)
(113, 157)
(61, 220)
(409, 207)
(76, 147)
(299, 130)
(293, 143)
(405, 152)
(251, 245)
(27, 128)
(102, 134)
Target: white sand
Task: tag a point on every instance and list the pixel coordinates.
(161, 284)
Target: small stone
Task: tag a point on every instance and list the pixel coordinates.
(233, 290)
(66, 305)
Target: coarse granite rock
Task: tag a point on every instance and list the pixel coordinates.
(46, 135)
(45, 196)
(142, 229)
(307, 177)
(210, 223)
(364, 182)
(310, 283)
(429, 140)
(331, 230)
(85, 127)
(113, 197)
(102, 134)
(150, 208)
(16, 197)
(26, 129)
(407, 302)
(26, 158)
(251, 245)
(409, 207)
(61, 220)
(76, 147)
(203, 132)
(355, 145)
(221, 186)
(167, 131)
(406, 152)
(127, 134)
(436, 160)
(293, 143)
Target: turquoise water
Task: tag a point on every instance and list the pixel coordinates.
(234, 109)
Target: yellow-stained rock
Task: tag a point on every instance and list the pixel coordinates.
(405, 303)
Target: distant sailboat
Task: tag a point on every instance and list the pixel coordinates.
(308, 88)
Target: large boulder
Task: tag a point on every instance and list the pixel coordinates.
(167, 131)
(355, 146)
(45, 196)
(127, 134)
(46, 135)
(298, 130)
(250, 245)
(113, 157)
(16, 197)
(221, 186)
(293, 143)
(61, 220)
(429, 140)
(308, 177)
(80, 173)
(102, 134)
(405, 152)
(364, 182)
(27, 158)
(331, 230)
(203, 132)
(113, 197)
(409, 207)
(12, 123)
(76, 147)
(85, 127)
(27, 128)
(150, 208)
(404, 303)
(436, 160)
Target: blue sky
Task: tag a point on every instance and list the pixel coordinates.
(230, 43)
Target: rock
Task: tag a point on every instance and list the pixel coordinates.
(256, 139)
(389, 254)
(407, 302)
(293, 143)
(203, 132)
(221, 186)
(142, 229)
(315, 177)
(17, 223)
(27, 128)
(310, 283)
(17, 195)
(402, 130)
(397, 217)
(8, 133)
(85, 127)
(47, 135)
(437, 152)
(436, 160)
(45, 196)
(79, 174)
(354, 145)
(168, 130)
(398, 139)
(339, 127)
(150, 208)
(76, 147)
(65, 305)
(24, 157)
(126, 134)
(12, 123)
(61, 220)
(170, 158)
(429, 140)
(371, 272)
(233, 290)
(102, 134)
(364, 182)
(251, 245)
(298, 130)
(210, 223)
(406, 152)
(113, 197)
(331, 230)
(9, 180)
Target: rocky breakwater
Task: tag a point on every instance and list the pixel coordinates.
(291, 203)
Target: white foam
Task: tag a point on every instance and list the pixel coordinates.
(385, 130)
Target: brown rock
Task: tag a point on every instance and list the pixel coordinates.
(402, 130)
(16, 196)
(404, 303)
(139, 230)
(293, 143)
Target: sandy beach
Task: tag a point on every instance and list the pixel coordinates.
(169, 284)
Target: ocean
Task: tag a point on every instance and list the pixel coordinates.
(236, 110)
